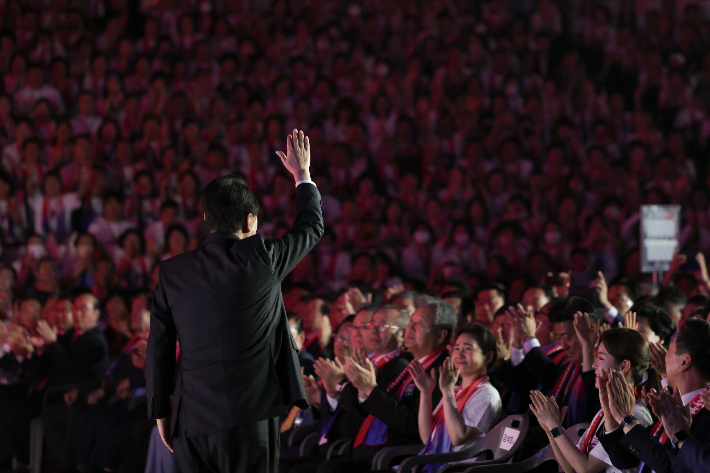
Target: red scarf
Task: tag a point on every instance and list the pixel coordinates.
(591, 440)
(382, 360)
(565, 380)
(407, 377)
(462, 396)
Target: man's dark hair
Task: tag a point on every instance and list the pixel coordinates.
(673, 295)
(484, 337)
(629, 284)
(228, 201)
(492, 286)
(694, 340)
(115, 196)
(564, 310)
(658, 320)
(169, 204)
(467, 307)
(297, 321)
(549, 293)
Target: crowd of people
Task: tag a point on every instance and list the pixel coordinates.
(486, 153)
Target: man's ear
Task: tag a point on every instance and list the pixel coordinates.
(686, 362)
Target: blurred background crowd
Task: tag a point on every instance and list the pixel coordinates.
(474, 148)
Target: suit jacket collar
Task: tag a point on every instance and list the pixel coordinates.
(214, 236)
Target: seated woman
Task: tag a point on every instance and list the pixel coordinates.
(626, 351)
(468, 411)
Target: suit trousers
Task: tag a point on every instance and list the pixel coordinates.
(249, 448)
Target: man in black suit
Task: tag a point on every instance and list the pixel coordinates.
(238, 368)
(688, 369)
(76, 360)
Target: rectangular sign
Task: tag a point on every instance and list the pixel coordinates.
(660, 231)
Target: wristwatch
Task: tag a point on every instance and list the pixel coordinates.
(680, 436)
(556, 432)
(628, 420)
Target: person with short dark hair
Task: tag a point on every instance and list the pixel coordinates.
(654, 323)
(239, 367)
(555, 372)
(490, 298)
(688, 371)
(616, 297)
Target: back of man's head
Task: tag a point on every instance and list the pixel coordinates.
(228, 201)
(694, 339)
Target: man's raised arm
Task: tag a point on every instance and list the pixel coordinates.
(286, 252)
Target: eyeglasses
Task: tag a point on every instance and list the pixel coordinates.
(359, 327)
(379, 327)
(342, 338)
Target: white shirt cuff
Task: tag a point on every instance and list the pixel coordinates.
(5, 349)
(611, 314)
(306, 181)
(530, 343)
(332, 402)
(664, 382)
(517, 355)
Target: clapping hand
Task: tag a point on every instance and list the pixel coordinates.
(362, 377)
(505, 347)
(586, 332)
(674, 414)
(448, 375)
(546, 410)
(630, 320)
(332, 374)
(621, 396)
(658, 358)
(426, 383)
(355, 300)
(602, 289)
(524, 323)
(47, 332)
(312, 389)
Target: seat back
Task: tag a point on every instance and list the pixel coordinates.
(545, 455)
(501, 443)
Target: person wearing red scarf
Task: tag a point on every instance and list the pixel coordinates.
(467, 411)
(687, 364)
(624, 351)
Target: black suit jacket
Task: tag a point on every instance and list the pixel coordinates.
(625, 451)
(79, 362)
(692, 457)
(238, 361)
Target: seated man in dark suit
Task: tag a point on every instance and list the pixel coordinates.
(692, 455)
(383, 337)
(77, 360)
(557, 373)
(688, 370)
(392, 411)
